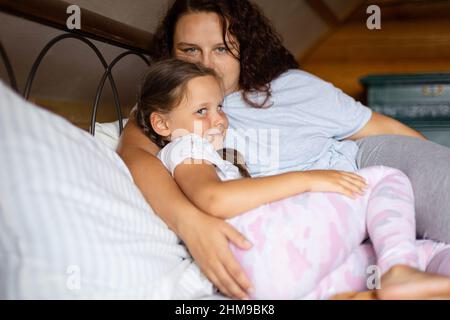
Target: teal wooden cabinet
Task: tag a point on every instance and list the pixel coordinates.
(421, 101)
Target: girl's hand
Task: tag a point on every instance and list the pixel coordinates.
(343, 182)
(207, 239)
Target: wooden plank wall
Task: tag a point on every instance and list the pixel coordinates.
(414, 37)
(79, 112)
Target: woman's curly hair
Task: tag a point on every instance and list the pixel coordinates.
(262, 55)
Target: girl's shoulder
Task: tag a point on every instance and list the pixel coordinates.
(189, 146)
(193, 146)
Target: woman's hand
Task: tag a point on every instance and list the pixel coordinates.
(207, 239)
(343, 182)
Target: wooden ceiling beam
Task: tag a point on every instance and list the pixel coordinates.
(324, 12)
(53, 13)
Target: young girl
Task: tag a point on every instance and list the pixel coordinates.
(306, 227)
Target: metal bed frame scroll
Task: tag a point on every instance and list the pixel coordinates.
(94, 27)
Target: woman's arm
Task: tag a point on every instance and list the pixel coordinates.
(226, 199)
(380, 124)
(206, 237)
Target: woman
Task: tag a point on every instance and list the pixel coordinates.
(233, 38)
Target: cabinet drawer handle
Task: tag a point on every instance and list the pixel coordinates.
(432, 91)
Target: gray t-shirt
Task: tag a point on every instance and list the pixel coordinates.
(300, 130)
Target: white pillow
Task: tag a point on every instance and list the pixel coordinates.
(109, 133)
(72, 222)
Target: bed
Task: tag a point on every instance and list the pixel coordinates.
(73, 225)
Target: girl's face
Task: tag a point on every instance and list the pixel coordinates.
(198, 38)
(200, 112)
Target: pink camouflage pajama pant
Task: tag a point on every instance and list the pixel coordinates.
(312, 245)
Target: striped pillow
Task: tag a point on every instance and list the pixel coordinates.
(72, 222)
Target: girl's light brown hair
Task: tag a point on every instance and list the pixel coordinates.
(163, 88)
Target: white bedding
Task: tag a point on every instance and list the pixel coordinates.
(72, 222)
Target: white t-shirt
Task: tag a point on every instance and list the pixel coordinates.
(193, 146)
(300, 131)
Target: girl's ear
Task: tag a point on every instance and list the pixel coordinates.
(159, 124)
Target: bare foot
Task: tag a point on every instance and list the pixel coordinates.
(366, 295)
(406, 283)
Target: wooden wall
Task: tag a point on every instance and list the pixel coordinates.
(79, 112)
(414, 37)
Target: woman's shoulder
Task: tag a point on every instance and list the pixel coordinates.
(296, 78)
(291, 84)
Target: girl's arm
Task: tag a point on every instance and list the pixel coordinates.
(205, 236)
(226, 199)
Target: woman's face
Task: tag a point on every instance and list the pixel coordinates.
(198, 38)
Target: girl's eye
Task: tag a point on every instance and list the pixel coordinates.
(202, 111)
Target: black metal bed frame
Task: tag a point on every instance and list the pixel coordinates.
(106, 75)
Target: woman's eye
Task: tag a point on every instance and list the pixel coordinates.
(221, 49)
(189, 50)
(219, 107)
